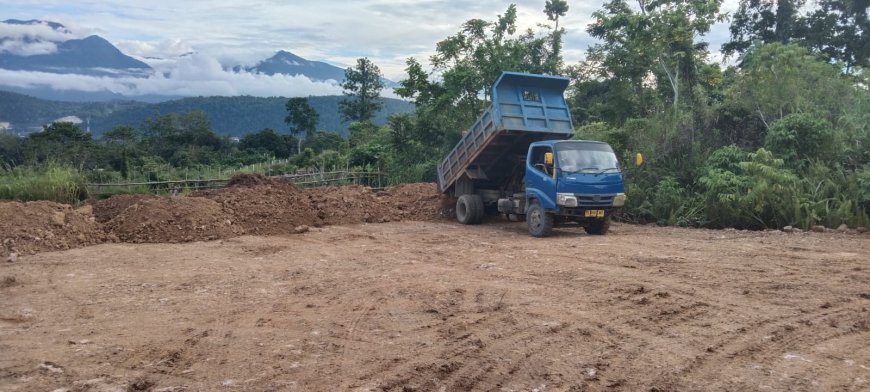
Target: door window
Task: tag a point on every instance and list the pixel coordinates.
(540, 160)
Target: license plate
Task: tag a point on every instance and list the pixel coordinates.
(594, 213)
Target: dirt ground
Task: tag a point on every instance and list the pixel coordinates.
(436, 306)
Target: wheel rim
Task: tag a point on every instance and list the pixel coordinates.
(535, 220)
(462, 210)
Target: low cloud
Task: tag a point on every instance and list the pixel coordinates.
(36, 31)
(195, 75)
(24, 48)
(170, 48)
(34, 39)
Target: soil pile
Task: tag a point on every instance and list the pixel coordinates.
(251, 204)
(271, 208)
(419, 201)
(173, 219)
(335, 205)
(106, 209)
(44, 226)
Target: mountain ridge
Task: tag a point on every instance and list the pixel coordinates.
(230, 116)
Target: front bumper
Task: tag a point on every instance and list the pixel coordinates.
(590, 200)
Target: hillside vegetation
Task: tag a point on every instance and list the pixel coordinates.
(234, 116)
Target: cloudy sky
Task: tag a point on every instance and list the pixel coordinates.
(223, 32)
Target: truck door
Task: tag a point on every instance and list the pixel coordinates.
(540, 181)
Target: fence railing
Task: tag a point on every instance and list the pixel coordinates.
(374, 180)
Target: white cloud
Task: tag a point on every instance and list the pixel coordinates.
(37, 31)
(22, 48)
(165, 49)
(191, 76)
(35, 39)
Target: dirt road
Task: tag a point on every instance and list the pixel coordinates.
(414, 306)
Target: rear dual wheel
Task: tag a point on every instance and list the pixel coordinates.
(469, 209)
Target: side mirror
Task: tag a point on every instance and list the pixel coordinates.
(638, 160)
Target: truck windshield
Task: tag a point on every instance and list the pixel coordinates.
(579, 157)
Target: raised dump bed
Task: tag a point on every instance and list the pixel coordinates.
(525, 108)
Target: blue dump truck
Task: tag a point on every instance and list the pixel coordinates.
(517, 160)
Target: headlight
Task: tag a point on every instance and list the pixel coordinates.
(619, 200)
(566, 199)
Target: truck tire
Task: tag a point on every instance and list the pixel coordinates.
(539, 220)
(469, 209)
(598, 227)
(479, 209)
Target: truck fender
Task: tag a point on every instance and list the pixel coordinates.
(542, 198)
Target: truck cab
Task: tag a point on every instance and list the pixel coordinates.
(568, 181)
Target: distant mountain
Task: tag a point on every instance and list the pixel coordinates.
(234, 116)
(288, 63)
(92, 55)
(284, 62)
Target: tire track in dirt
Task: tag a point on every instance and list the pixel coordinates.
(775, 340)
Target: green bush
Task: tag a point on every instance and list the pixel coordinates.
(400, 173)
(760, 192)
(802, 136)
(49, 182)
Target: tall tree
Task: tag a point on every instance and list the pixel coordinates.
(802, 83)
(657, 38)
(766, 21)
(840, 30)
(555, 9)
(362, 87)
(302, 118)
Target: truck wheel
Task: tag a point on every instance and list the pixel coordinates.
(465, 210)
(469, 209)
(540, 222)
(479, 209)
(598, 227)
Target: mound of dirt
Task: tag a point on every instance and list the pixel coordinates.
(419, 201)
(174, 219)
(336, 205)
(106, 209)
(36, 226)
(255, 180)
(276, 208)
(251, 204)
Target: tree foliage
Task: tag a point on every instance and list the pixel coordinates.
(762, 21)
(652, 42)
(836, 29)
(362, 86)
(301, 117)
(61, 141)
(778, 80)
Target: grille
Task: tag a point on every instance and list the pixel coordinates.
(594, 200)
